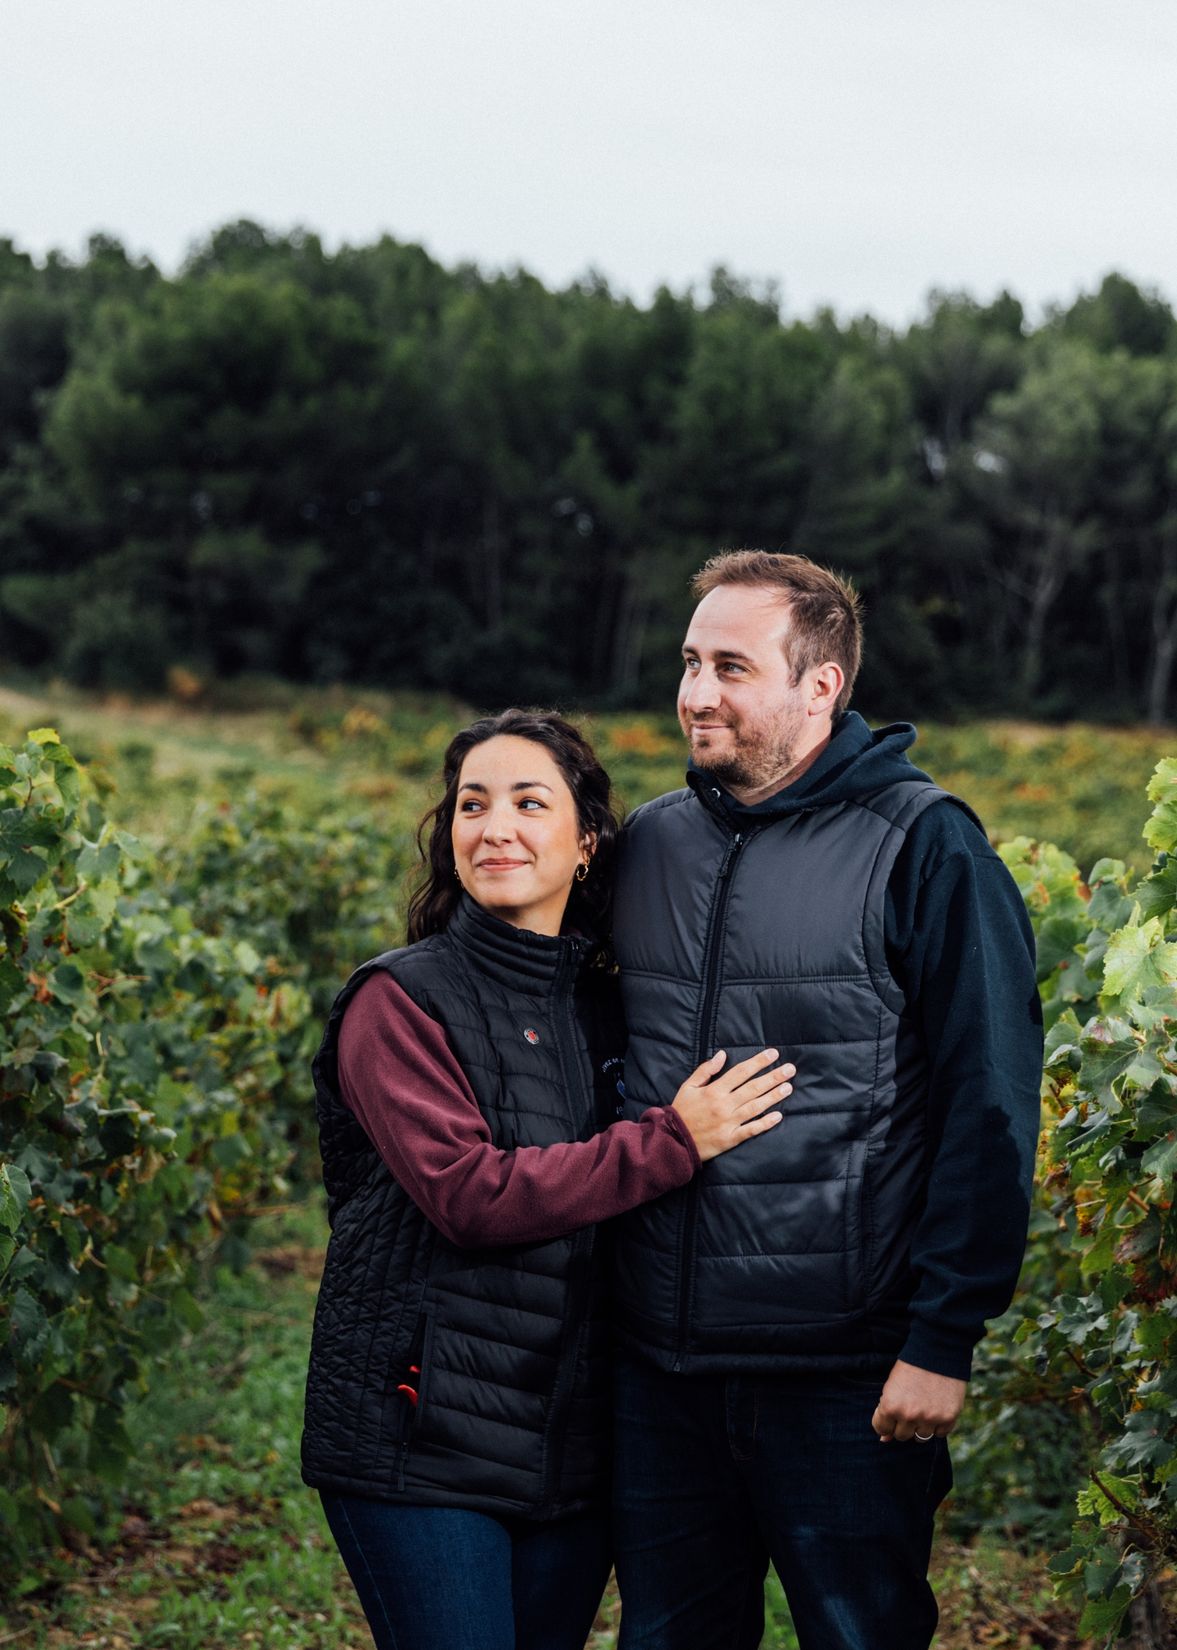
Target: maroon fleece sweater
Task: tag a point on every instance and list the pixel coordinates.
(402, 1080)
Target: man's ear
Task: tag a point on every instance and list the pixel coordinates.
(825, 683)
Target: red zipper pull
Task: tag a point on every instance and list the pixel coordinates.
(410, 1392)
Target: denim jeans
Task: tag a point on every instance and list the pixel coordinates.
(716, 1475)
(442, 1578)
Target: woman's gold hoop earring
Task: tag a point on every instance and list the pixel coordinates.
(582, 870)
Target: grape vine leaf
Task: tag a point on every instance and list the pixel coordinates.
(1139, 958)
(1160, 831)
(15, 1192)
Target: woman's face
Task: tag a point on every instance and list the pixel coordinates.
(516, 839)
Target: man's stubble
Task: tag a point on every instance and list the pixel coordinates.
(757, 757)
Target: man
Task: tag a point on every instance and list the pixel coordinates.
(797, 1325)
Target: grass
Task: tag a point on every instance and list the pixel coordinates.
(218, 1545)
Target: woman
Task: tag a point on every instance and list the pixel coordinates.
(456, 1420)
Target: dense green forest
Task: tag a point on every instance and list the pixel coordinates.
(365, 466)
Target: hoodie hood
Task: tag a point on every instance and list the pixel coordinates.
(856, 762)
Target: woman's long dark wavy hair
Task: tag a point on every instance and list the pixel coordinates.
(437, 893)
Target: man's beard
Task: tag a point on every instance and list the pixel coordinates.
(749, 764)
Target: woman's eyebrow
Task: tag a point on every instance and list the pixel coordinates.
(519, 785)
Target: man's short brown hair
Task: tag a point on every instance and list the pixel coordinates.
(825, 613)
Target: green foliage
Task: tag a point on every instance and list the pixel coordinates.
(221, 1543)
(362, 466)
(1100, 1330)
(145, 1086)
(311, 892)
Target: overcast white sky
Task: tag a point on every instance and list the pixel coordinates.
(859, 152)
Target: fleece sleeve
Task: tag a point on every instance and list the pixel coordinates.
(961, 947)
(400, 1077)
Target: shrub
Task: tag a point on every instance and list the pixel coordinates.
(138, 1063)
(1100, 1332)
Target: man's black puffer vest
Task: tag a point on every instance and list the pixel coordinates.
(511, 1342)
(791, 1251)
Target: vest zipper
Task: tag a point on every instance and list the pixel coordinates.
(708, 995)
(420, 1350)
(579, 1270)
(708, 992)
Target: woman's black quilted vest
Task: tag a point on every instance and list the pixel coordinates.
(790, 1252)
(511, 1342)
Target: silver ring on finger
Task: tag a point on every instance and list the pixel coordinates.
(924, 1437)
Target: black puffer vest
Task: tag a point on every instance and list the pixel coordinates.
(511, 1342)
(790, 1252)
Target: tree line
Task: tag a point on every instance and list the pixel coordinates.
(365, 466)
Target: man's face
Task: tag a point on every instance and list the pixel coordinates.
(744, 717)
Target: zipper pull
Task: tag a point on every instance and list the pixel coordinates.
(733, 849)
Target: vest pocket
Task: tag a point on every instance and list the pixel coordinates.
(412, 1385)
(856, 1255)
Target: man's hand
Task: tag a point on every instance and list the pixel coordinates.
(917, 1404)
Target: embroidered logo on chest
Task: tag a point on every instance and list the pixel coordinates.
(531, 1036)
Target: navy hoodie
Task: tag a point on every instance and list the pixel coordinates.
(960, 947)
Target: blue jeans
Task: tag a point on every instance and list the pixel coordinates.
(716, 1475)
(442, 1578)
